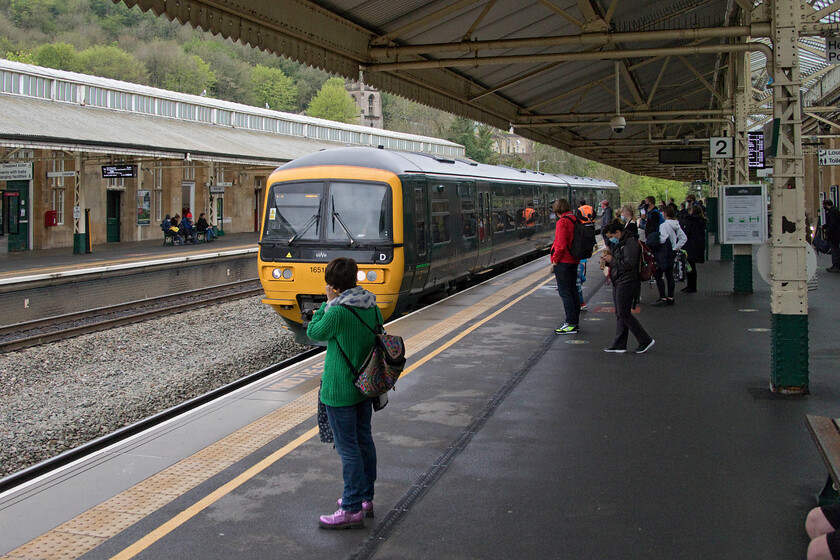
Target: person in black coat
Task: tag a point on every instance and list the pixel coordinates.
(832, 233)
(624, 261)
(694, 226)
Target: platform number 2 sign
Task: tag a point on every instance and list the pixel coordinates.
(721, 147)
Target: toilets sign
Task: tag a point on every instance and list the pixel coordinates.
(829, 157)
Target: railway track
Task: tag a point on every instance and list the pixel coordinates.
(117, 436)
(42, 331)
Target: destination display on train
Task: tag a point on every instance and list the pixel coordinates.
(119, 171)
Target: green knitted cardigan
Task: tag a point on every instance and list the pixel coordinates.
(338, 325)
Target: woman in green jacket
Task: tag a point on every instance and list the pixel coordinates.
(348, 410)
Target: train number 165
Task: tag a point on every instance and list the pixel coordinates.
(316, 269)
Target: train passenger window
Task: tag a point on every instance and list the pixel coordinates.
(440, 221)
(509, 214)
(420, 220)
(294, 210)
(498, 213)
(361, 208)
(468, 217)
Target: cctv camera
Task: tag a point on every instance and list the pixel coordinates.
(617, 123)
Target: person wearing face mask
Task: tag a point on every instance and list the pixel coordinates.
(623, 261)
(627, 215)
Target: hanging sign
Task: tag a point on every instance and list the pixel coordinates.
(51, 174)
(721, 147)
(744, 213)
(829, 157)
(18, 171)
(119, 171)
(832, 50)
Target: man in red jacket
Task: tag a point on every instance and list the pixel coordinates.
(565, 266)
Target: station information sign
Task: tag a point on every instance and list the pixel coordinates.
(17, 171)
(744, 214)
(829, 157)
(755, 150)
(119, 171)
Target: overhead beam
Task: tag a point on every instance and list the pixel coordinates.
(562, 13)
(827, 11)
(571, 124)
(696, 34)
(700, 77)
(423, 21)
(529, 118)
(557, 57)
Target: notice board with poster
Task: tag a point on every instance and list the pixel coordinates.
(743, 212)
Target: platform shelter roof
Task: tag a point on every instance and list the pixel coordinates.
(543, 68)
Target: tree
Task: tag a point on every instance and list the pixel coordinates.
(273, 88)
(25, 57)
(61, 56)
(34, 14)
(189, 74)
(333, 103)
(477, 140)
(113, 62)
(401, 115)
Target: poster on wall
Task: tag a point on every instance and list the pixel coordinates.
(144, 208)
(744, 213)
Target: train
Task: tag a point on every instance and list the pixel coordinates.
(417, 224)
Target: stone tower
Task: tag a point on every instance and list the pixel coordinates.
(369, 103)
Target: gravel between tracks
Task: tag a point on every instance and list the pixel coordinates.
(60, 395)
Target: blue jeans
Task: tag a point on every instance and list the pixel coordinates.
(354, 444)
(566, 275)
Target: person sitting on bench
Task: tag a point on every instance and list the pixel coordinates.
(202, 226)
(822, 526)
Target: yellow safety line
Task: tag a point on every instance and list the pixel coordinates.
(212, 498)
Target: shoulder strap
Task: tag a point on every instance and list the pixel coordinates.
(353, 311)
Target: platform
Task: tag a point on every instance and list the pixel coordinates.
(503, 440)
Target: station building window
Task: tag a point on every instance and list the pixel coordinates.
(58, 205)
(157, 179)
(189, 172)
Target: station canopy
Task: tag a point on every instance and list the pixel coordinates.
(554, 71)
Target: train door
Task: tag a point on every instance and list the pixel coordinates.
(422, 263)
(485, 230)
(112, 217)
(16, 214)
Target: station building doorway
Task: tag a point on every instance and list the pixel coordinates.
(112, 217)
(14, 217)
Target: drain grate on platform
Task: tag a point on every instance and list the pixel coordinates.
(716, 294)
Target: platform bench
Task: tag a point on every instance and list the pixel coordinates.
(168, 238)
(826, 434)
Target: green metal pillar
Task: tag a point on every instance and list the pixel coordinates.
(789, 353)
(743, 273)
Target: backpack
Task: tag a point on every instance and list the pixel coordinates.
(583, 239)
(383, 365)
(653, 239)
(647, 263)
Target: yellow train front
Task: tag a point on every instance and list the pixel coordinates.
(414, 223)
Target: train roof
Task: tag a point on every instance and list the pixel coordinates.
(407, 162)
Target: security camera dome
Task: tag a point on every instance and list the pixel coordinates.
(617, 123)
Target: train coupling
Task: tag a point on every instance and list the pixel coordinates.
(308, 304)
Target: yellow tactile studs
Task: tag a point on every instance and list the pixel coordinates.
(93, 527)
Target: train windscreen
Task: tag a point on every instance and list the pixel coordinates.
(359, 210)
(294, 211)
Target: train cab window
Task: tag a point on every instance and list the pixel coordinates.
(441, 232)
(468, 217)
(360, 208)
(294, 210)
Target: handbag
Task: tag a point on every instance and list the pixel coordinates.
(820, 243)
(324, 430)
(383, 365)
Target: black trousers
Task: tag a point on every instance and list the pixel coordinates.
(669, 277)
(623, 296)
(691, 277)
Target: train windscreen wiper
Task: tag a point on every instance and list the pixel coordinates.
(353, 242)
(315, 217)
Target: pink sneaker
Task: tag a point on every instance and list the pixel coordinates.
(343, 520)
(367, 507)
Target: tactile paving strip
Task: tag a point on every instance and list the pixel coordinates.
(88, 530)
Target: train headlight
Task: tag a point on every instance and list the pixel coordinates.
(371, 276)
(287, 273)
(276, 273)
(360, 276)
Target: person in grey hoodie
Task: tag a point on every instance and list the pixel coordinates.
(672, 240)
